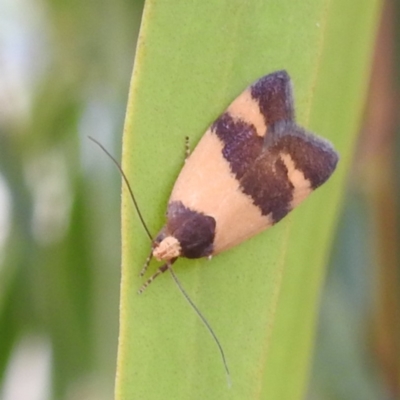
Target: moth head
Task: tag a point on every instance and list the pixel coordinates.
(167, 248)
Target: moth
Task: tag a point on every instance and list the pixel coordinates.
(252, 167)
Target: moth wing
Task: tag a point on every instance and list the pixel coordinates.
(293, 164)
(244, 170)
(246, 122)
(206, 184)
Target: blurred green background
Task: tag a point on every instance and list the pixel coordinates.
(65, 70)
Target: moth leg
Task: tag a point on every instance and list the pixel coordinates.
(147, 263)
(160, 271)
(187, 148)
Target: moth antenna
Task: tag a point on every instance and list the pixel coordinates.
(146, 263)
(205, 322)
(127, 184)
(160, 271)
(187, 147)
(168, 266)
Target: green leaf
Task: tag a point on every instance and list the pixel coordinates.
(261, 298)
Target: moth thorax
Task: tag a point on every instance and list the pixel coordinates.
(167, 249)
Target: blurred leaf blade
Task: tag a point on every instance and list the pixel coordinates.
(55, 288)
(192, 60)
